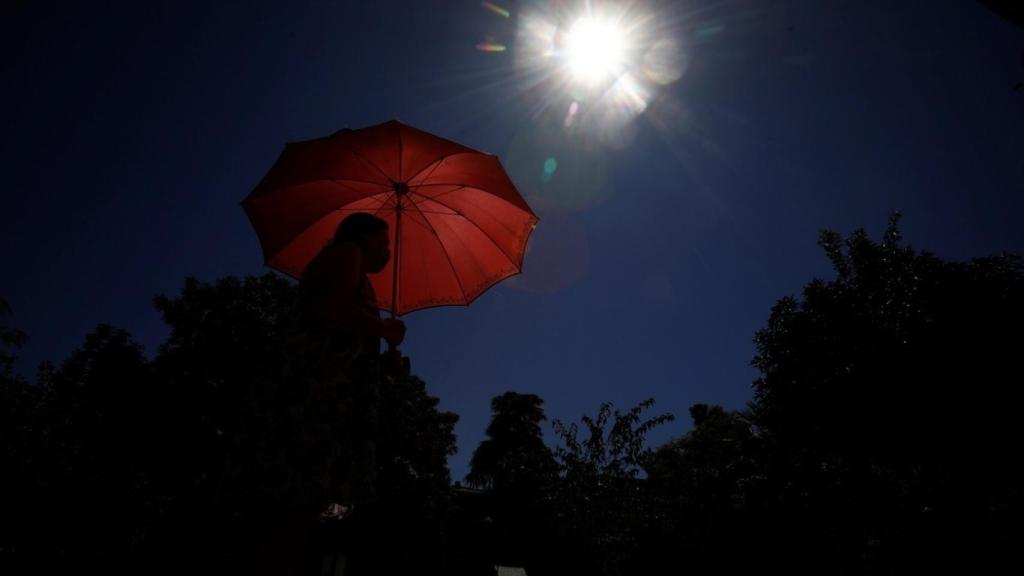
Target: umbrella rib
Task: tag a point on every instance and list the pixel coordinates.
(383, 203)
(460, 213)
(421, 224)
(475, 225)
(367, 160)
(444, 249)
(339, 183)
(434, 165)
(439, 184)
(460, 187)
(354, 180)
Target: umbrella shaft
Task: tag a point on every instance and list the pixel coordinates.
(398, 255)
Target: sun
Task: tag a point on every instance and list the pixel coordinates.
(595, 50)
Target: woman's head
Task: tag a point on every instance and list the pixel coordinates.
(370, 233)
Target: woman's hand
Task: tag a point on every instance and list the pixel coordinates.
(392, 330)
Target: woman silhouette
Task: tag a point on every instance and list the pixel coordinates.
(339, 299)
(319, 427)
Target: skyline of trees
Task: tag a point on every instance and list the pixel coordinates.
(880, 438)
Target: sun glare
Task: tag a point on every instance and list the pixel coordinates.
(594, 50)
(592, 67)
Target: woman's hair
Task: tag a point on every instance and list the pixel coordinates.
(357, 226)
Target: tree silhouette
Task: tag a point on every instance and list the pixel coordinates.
(19, 449)
(297, 423)
(115, 462)
(87, 476)
(1008, 9)
(881, 438)
(707, 486)
(519, 471)
(888, 398)
(603, 510)
(514, 454)
(11, 339)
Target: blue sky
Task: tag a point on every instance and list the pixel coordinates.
(134, 129)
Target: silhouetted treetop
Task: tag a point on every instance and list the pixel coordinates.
(11, 339)
(891, 392)
(514, 452)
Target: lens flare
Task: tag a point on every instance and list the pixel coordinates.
(569, 171)
(628, 93)
(571, 116)
(626, 99)
(663, 63)
(491, 7)
(490, 47)
(550, 165)
(535, 42)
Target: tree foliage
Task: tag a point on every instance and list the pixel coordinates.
(602, 508)
(11, 339)
(114, 460)
(514, 454)
(888, 396)
(518, 471)
(881, 438)
(708, 488)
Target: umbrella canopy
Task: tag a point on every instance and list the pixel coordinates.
(457, 223)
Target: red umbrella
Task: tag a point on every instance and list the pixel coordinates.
(458, 225)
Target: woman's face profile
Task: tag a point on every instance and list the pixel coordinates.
(377, 251)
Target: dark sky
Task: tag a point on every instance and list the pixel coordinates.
(133, 129)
